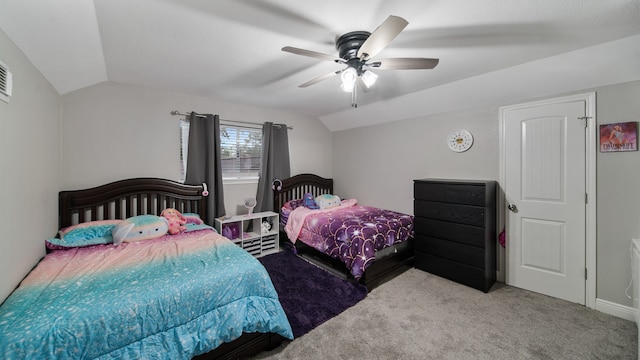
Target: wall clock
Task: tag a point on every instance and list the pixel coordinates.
(460, 140)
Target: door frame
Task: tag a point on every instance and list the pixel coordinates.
(591, 148)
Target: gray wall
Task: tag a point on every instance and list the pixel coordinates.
(113, 131)
(29, 159)
(618, 180)
(377, 164)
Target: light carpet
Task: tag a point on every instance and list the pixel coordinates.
(418, 315)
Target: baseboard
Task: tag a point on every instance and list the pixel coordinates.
(617, 310)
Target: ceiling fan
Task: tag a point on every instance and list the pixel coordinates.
(356, 50)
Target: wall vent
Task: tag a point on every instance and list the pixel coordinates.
(6, 82)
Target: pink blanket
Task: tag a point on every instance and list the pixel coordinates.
(298, 215)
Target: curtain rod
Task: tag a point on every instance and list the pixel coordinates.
(176, 112)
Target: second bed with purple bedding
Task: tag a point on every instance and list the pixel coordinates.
(351, 233)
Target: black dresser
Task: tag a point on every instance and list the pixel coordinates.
(455, 230)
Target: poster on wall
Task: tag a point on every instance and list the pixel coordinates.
(619, 137)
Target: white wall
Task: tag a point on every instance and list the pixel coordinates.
(113, 131)
(29, 163)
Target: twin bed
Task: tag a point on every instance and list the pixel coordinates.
(361, 243)
(193, 294)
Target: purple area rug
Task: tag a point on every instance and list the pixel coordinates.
(309, 295)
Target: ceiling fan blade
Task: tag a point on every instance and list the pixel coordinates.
(381, 37)
(404, 63)
(313, 54)
(317, 79)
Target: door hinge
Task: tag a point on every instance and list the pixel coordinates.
(585, 273)
(586, 198)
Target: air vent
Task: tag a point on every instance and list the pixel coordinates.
(6, 82)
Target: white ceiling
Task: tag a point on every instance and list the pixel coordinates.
(230, 49)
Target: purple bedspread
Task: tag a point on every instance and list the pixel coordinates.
(354, 234)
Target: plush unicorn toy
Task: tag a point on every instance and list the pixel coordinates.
(309, 202)
(176, 220)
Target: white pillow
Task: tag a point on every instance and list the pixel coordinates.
(328, 201)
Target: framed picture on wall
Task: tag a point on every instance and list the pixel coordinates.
(619, 137)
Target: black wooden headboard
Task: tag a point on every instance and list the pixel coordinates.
(296, 186)
(125, 198)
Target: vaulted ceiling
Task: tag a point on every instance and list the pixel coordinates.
(231, 49)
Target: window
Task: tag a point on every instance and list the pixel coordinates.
(184, 147)
(241, 151)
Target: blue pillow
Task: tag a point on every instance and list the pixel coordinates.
(84, 234)
(57, 243)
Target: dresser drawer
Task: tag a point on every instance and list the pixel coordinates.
(465, 234)
(455, 230)
(461, 214)
(451, 193)
(474, 277)
(465, 254)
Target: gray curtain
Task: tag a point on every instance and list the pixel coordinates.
(275, 163)
(203, 161)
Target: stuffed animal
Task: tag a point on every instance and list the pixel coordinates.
(138, 228)
(176, 220)
(266, 227)
(309, 202)
(328, 201)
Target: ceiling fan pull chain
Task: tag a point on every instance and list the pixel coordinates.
(354, 102)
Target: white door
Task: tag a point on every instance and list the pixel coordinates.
(545, 190)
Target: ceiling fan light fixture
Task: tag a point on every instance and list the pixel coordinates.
(349, 77)
(369, 78)
(356, 49)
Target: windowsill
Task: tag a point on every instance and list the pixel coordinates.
(240, 181)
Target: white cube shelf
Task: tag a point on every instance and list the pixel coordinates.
(246, 232)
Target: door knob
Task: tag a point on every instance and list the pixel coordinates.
(512, 208)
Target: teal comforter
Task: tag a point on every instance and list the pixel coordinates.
(169, 298)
